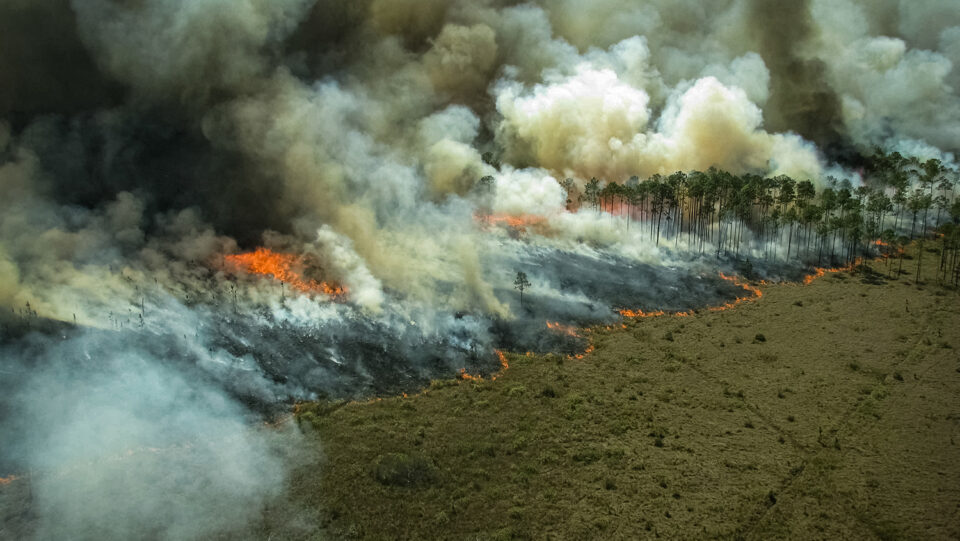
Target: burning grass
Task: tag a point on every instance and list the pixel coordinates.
(568, 330)
(287, 268)
(755, 293)
(521, 221)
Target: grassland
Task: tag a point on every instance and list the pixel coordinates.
(825, 411)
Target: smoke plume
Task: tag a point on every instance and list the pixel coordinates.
(395, 164)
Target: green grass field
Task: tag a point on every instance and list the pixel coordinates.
(842, 421)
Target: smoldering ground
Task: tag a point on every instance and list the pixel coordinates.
(141, 143)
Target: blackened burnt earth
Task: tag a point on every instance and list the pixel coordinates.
(266, 361)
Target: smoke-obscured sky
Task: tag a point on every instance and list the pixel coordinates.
(143, 141)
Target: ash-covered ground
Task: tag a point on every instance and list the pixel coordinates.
(295, 346)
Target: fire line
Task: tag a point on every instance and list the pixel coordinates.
(285, 268)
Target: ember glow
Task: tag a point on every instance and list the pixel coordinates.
(287, 268)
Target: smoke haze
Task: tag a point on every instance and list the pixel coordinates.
(386, 144)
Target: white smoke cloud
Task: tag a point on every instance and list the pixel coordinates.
(529, 191)
(594, 124)
(351, 269)
(134, 446)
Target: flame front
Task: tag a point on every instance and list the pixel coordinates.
(819, 272)
(283, 267)
(755, 293)
(563, 329)
(517, 222)
(586, 352)
(504, 366)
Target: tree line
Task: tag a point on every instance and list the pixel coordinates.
(902, 200)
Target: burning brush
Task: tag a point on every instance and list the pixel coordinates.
(289, 269)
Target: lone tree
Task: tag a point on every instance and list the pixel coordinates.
(521, 283)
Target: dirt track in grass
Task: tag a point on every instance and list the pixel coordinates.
(842, 421)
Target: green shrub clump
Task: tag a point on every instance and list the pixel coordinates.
(399, 469)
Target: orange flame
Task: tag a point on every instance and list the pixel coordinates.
(820, 272)
(755, 293)
(283, 267)
(586, 352)
(817, 273)
(504, 366)
(640, 313)
(516, 222)
(8, 480)
(563, 329)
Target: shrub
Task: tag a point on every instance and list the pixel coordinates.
(548, 392)
(399, 469)
(759, 338)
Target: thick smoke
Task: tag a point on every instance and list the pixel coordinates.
(415, 153)
(116, 444)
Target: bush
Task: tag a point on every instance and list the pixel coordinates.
(399, 469)
(759, 338)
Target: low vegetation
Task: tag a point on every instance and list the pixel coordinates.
(841, 425)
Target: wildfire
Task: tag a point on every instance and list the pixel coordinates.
(640, 313)
(516, 222)
(284, 267)
(755, 293)
(817, 273)
(563, 329)
(586, 352)
(820, 272)
(8, 480)
(504, 366)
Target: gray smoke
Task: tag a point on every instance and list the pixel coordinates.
(142, 143)
(115, 443)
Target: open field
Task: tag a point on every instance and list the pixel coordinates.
(841, 421)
